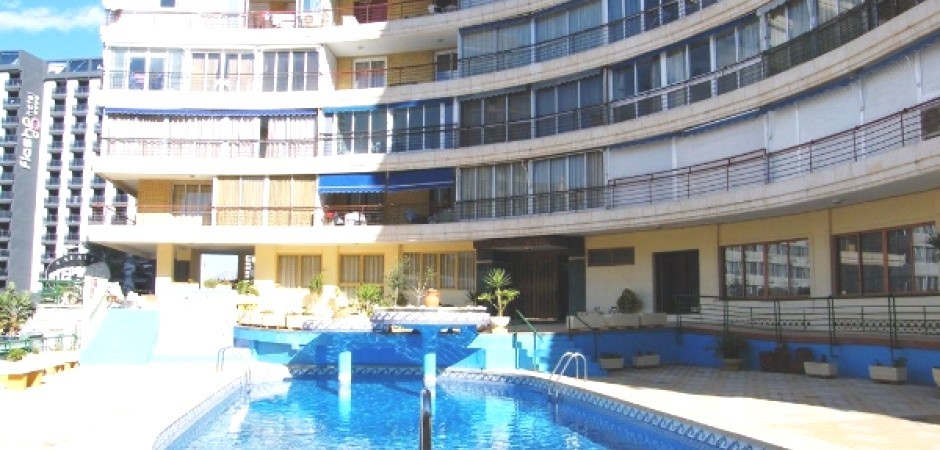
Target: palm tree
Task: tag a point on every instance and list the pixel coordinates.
(500, 295)
(16, 307)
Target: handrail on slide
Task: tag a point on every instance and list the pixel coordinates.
(580, 363)
(425, 420)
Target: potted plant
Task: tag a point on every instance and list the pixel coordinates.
(497, 280)
(645, 359)
(822, 369)
(730, 347)
(315, 288)
(396, 280)
(895, 373)
(610, 361)
(369, 296)
(625, 314)
(246, 287)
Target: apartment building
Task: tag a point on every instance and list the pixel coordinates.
(50, 194)
(746, 149)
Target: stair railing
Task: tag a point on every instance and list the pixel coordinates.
(535, 340)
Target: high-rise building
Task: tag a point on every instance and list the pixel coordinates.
(50, 194)
(748, 149)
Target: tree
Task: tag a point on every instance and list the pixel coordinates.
(16, 307)
(497, 280)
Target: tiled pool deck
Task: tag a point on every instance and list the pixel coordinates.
(126, 407)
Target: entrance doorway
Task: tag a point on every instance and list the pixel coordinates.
(674, 273)
(542, 281)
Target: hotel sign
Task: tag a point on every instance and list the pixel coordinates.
(30, 130)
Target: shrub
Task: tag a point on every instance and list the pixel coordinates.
(629, 302)
(17, 354)
(729, 345)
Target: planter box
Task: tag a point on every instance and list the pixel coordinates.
(820, 369)
(732, 364)
(645, 361)
(586, 321)
(936, 375)
(610, 363)
(888, 374)
(653, 319)
(621, 320)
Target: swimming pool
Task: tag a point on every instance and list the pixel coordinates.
(377, 413)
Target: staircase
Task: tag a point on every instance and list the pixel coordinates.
(551, 347)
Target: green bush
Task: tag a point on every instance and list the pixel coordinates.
(17, 354)
(629, 302)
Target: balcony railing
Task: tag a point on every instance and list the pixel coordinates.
(199, 148)
(289, 19)
(907, 127)
(13, 84)
(9, 121)
(60, 91)
(73, 238)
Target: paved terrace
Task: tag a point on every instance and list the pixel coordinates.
(126, 407)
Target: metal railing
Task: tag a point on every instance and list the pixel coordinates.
(561, 367)
(535, 340)
(835, 318)
(424, 421)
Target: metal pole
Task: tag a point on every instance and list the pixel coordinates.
(425, 420)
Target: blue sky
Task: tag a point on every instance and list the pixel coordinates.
(52, 29)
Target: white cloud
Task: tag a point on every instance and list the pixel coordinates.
(47, 19)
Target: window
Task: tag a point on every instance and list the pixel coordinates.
(445, 65)
(569, 106)
(499, 118)
(213, 71)
(887, 261)
(368, 73)
(167, 3)
(355, 270)
(767, 270)
(421, 127)
(193, 200)
(296, 271)
(502, 47)
(493, 191)
(568, 182)
(622, 256)
(290, 71)
(452, 270)
(151, 69)
(362, 131)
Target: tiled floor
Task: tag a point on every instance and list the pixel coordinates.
(126, 407)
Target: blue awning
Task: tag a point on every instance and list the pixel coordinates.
(351, 183)
(421, 179)
(212, 112)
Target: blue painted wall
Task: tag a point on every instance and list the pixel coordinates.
(470, 350)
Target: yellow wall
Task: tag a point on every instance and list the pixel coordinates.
(605, 283)
(403, 68)
(153, 200)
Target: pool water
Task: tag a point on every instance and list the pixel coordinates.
(381, 414)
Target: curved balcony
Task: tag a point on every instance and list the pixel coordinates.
(853, 161)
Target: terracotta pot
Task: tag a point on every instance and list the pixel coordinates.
(432, 299)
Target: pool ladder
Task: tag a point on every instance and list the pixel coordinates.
(220, 363)
(425, 420)
(580, 364)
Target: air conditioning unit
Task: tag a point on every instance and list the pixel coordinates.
(930, 122)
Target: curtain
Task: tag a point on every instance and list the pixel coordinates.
(349, 269)
(675, 66)
(749, 39)
(512, 44)
(310, 266)
(798, 18)
(374, 269)
(287, 273)
(550, 28)
(467, 271)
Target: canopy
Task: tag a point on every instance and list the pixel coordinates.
(212, 112)
(421, 179)
(351, 183)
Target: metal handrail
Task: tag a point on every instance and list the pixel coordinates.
(424, 442)
(562, 366)
(594, 331)
(535, 339)
(220, 362)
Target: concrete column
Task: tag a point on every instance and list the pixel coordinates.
(430, 369)
(345, 367)
(164, 268)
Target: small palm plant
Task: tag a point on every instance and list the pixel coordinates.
(16, 307)
(497, 280)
